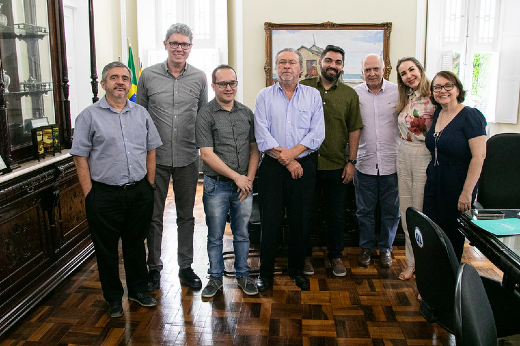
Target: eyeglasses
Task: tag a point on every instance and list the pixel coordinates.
(223, 85)
(290, 62)
(175, 45)
(437, 88)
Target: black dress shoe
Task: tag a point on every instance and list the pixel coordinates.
(142, 298)
(189, 278)
(154, 280)
(302, 282)
(386, 259)
(365, 258)
(115, 309)
(264, 283)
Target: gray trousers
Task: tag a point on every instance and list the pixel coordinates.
(184, 189)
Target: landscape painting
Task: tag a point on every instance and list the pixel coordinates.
(357, 40)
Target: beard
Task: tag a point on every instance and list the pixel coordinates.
(331, 77)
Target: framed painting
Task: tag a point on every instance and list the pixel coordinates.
(358, 40)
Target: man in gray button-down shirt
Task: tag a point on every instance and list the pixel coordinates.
(114, 153)
(173, 92)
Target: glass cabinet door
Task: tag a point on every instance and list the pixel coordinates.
(27, 70)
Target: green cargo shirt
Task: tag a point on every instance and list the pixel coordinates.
(341, 109)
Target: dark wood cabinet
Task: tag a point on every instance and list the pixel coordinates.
(43, 235)
(43, 229)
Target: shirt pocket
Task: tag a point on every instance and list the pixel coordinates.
(304, 119)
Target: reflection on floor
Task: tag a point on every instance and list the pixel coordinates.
(370, 306)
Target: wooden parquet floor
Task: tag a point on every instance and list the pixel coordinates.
(370, 306)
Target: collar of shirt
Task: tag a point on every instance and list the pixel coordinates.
(283, 91)
(215, 106)
(167, 72)
(103, 103)
(319, 83)
(383, 86)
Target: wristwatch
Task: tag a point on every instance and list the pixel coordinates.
(352, 161)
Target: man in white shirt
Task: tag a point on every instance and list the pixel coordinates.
(375, 177)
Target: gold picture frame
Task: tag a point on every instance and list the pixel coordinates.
(357, 40)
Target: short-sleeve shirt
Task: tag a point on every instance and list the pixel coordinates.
(341, 110)
(452, 142)
(115, 144)
(280, 122)
(229, 133)
(379, 139)
(173, 104)
(416, 118)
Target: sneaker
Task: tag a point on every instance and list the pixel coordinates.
(308, 269)
(115, 309)
(143, 299)
(247, 285)
(211, 288)
(189, 278)
(338, 269)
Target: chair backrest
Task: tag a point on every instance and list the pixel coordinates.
(435, 261)
(474, 321)
(499, 186)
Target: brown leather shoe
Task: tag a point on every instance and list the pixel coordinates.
(365, 258)
(386, 258)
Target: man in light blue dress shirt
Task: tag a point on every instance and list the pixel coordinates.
(289, 128)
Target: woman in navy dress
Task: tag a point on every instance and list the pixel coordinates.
(457, 143)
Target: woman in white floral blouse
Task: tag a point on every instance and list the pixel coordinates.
(415, 118)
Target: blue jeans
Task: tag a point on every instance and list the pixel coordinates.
(370, 188)
(221, 198)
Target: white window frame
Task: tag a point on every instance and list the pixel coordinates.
(503, 107)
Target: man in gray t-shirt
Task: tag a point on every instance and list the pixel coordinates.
(173, 92)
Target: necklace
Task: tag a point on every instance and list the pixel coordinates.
(442, 125)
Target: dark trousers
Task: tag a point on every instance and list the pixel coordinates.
(331, 190)
(277, 189)
(115, 213)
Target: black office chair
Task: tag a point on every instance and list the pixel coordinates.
(436, 267)
(499, 186)
(474, 321)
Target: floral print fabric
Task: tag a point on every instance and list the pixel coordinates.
(416, 118)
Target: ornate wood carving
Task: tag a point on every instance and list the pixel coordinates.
(43, 236)
(93, 68)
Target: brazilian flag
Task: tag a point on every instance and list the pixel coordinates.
(133, 89)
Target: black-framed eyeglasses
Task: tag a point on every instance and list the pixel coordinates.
(223, 85)
(175, 45)
(335, 48)
(448, 86)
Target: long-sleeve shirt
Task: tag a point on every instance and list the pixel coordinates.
(379, 138)
(341, 110)
(280, 122)
(173, 104)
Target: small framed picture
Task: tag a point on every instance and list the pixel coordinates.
(56, 143)
(47, 140)
(37, 143)
(4, 166)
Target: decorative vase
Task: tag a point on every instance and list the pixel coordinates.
(3, 18)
